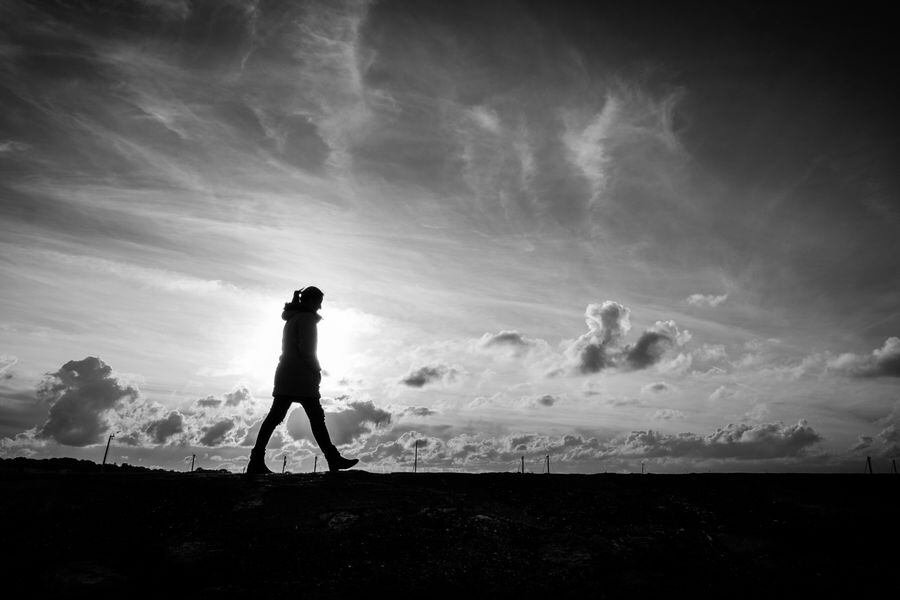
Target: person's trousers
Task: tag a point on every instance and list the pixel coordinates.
(280, 407)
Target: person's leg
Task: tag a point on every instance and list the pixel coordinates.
(316, 415)
(277, 412)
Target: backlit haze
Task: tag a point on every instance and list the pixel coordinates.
(613, 233)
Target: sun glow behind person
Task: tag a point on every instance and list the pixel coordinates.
(342, 340)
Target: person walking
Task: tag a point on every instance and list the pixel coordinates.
(297, 379)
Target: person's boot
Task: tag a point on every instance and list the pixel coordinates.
(336, 462)
(257, 464)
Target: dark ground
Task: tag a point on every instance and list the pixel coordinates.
(153, 533)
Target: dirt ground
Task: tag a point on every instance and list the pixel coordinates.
(338, 535)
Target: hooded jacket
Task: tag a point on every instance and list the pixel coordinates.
(298, 372)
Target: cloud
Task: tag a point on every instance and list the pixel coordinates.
(655, 388)
(20, 410)
(722, 393)
(758, 412)
(544, 400)
(418, 411)
(603, 346)
(709, 300)
(345, 425)
(648, 350)
(588, 145)
(429, 374)
(209, 402)
(607, 325)
(740, 441)
(7, 362)
(452, 448)
(886, 443)
(485, 118)
(249, 436)
(863, 442)
(668, 414)
(237, 396)
(12, 146)
(162, 429)
(882, 362)
(508, 340)
(214, 435)
(80, 395)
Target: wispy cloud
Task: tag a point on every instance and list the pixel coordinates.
(706, 299)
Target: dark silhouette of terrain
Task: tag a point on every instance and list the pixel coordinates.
(142, 533)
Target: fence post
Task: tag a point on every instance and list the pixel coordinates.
(111, 436)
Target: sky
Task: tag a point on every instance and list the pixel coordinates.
(612, 233)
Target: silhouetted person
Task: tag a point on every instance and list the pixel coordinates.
(297, 379)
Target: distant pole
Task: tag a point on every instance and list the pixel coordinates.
(523, 465)
(548, 464)
(284, 464)
(111, 436)
(193, 456)
(315, 463)
(416, 458)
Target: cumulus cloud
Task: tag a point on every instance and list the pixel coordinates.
(668, 414)
(80, 395)
(249, 436)
(648, 350)
(84, 400)
(607, 325)
(346, 424)
(739, 441)
(603, 346)
(886, 443)
(882, 362)
(543, 400)
(708, 354)
(418, 411)
(429, 374)
(511, 341)
(450, 448)
(655, 388)
(709, 300)
(161, 430)
(239, 395)
(214, 435)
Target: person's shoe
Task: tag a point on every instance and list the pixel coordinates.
(257, 465)
(340, 463)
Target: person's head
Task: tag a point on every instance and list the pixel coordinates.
(310, 297)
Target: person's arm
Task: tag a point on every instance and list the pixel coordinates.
(307, 340)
